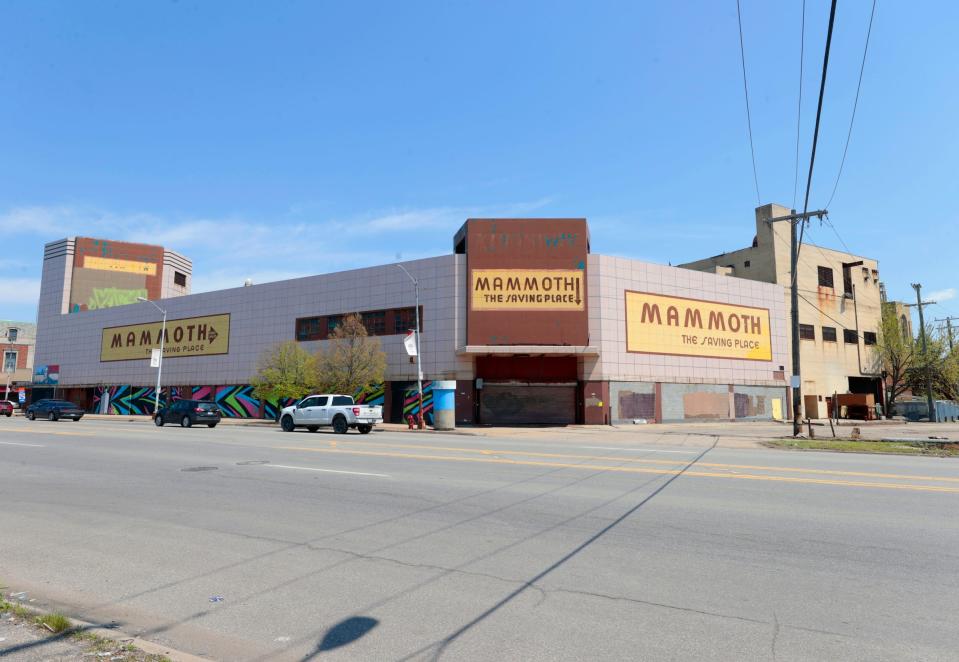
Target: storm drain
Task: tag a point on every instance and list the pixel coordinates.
(200, 469)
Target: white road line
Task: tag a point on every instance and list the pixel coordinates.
(13, 443)
(329, 471)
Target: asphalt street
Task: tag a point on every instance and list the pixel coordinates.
(247, 543)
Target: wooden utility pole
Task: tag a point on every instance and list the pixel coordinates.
(948, 321)
(922, 334)
(796, 381)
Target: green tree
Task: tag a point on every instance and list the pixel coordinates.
(351, 360)
(896, 352)
(937, 364)
(286, 370)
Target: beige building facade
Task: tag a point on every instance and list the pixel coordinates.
(17, 344)
(840, 308)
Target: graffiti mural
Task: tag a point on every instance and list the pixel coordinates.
(411, 402)
(237, 401)
(108, 297)
(124, 400)
(371, 395)
(272, 407)
(113, 273)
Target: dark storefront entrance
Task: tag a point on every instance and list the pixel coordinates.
(526, 390)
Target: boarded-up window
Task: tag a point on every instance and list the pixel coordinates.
(637, 405)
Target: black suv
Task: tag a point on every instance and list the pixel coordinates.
(54, 410)
(189, 412)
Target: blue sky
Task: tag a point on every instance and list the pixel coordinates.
(270, 140)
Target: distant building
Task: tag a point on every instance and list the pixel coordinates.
(17, 342)
(839, 308)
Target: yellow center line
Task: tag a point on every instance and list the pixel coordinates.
(640, 470)
(714, 465)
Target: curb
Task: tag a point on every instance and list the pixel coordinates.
(149, 647)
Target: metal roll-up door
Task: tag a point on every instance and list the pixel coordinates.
(514, 404)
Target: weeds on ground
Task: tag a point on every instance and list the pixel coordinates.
(865, 446)
(54, 622)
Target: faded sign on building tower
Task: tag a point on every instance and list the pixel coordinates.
(527, 281)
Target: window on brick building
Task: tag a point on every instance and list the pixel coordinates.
(9, 361)
(850, 336)
(391, 321)
(869, 337)
(807, 332)
(829, 334)
(179, 279)
(12, 334)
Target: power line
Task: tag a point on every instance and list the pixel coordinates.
(749, 121)
(802, 49)
(815, 135)
(852, 119)
(836, 232)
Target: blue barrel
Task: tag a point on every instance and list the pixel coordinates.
(444, 404)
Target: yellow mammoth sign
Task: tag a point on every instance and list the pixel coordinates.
(527, 289)
(657, 324)
(192, 336)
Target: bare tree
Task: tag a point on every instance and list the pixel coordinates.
(351, 360)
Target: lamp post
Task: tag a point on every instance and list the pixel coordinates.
(419, 369)
(156, 399)
(6, 392)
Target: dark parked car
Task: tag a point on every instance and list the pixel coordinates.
(6, 408)
(53, 410)
(189, 412)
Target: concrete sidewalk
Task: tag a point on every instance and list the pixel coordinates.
(727, 434)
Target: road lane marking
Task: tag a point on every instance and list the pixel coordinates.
(634, 469)
(13, 443)
(712, 465)
(329, 471)
(63, 434)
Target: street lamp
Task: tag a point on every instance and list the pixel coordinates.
(156, 399)
(9, 371)
(419, 369)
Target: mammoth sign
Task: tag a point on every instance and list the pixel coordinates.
(657, 324)
(527, 289)
(192, 336)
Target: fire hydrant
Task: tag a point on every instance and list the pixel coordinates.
(410, 421)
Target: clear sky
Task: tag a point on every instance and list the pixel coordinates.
(271, 140)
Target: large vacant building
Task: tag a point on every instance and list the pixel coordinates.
(840, 308)
(533, 328)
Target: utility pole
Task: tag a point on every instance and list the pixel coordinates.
(948, 321)
(796, 381)
(922, 334)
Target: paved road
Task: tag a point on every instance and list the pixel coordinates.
(406, 546)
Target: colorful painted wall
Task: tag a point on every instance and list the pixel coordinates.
(236, 401)
(114, 273)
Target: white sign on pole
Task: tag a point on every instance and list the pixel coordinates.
(155, 358)
(410, 343)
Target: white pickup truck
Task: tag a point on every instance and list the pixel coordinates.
(338, 411)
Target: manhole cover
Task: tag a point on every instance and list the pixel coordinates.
(199, 469)
(248, 462)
